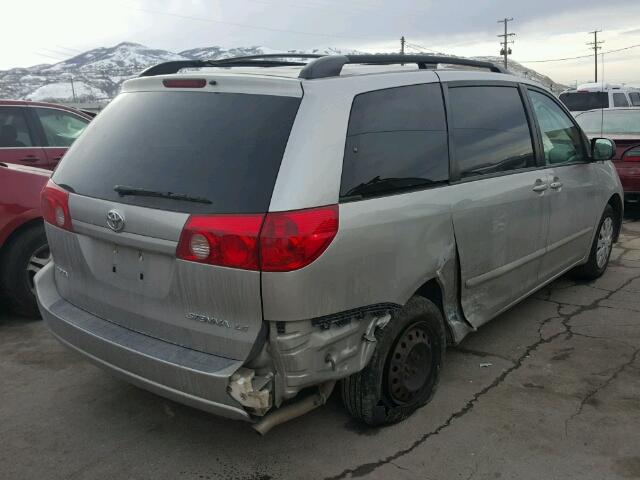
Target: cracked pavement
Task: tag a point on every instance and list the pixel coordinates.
(558, 396)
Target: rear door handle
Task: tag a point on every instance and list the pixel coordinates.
(556, 185)
(540, 186)
(29, 158)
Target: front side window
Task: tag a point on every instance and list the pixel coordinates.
(14, 132)
(490, 130)
(396, 141)
(561, 139)
(60, 128)
(620, 100)
(635, 99)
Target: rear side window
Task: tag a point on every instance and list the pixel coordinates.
(620, 100)
(490, 130)
(605, 122)
(14, 132)
(223, 148)
(635, 99)
(581, 101)
(396, 141)
(60, 128)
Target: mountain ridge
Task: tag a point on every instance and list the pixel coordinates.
(96, 75)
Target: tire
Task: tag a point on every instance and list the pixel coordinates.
(598, 258)
(415, 336)
(19, 266)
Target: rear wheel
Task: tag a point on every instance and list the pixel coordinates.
(600, 249)
(404, 370)
(27, 253)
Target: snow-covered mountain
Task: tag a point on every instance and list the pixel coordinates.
(96, 75)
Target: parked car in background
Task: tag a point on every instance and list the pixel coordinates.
(623, 126)
(38, 134)
(317, 227)
(591, 96)
(23, 245)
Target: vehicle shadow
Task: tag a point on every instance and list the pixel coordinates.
(632, 212)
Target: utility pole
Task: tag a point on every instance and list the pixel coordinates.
(402, 42)
(505, 50)
(73, 90)
(596, 46)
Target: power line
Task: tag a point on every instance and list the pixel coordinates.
(338, 7)
(244, 25)
(419, 47)
(580, 56)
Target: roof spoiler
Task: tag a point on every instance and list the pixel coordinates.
(266, 60)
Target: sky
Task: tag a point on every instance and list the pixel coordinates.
(47, 31)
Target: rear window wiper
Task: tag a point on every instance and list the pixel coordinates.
(123, 190)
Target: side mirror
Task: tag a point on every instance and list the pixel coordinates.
(602, 149)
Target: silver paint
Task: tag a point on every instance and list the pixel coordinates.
(487, 243)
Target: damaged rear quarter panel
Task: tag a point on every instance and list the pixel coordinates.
(385, 249)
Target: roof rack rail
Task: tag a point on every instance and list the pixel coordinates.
(320, 66)
(266, 60)
(331, 65)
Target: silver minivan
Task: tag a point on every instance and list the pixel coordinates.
(241, 238)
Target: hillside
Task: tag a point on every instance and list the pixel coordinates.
(97, 74)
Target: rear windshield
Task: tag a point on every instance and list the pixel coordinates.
(581, 101)
(610, 121)
(225, 148)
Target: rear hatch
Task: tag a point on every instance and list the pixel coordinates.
(153, 158)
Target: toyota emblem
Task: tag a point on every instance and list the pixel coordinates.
(115, 220)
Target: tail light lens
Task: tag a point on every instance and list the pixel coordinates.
(292, 240)
(632, 155)
(225, 240)
(55, 206)
(275, 242)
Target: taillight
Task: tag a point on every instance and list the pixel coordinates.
(185, 83)
(632, 155)
(292, 240)
(225, 240)
(275, 242)
(55, 206)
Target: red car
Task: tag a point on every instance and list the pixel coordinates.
(36, 133)
(622, 125)
(23, 245)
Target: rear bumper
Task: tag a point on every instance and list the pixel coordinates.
(186, 376)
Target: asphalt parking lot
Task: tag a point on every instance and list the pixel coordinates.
(549, 390)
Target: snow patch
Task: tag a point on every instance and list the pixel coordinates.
(62, 91)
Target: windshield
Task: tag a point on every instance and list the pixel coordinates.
(581, 101)
(610, 121)
(222, 147)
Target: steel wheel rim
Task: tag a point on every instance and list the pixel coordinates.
(40, 257)
(410, 365)
(605, 242)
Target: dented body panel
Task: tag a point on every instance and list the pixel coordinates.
(472, 247)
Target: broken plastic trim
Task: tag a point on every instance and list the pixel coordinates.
(344, 318)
